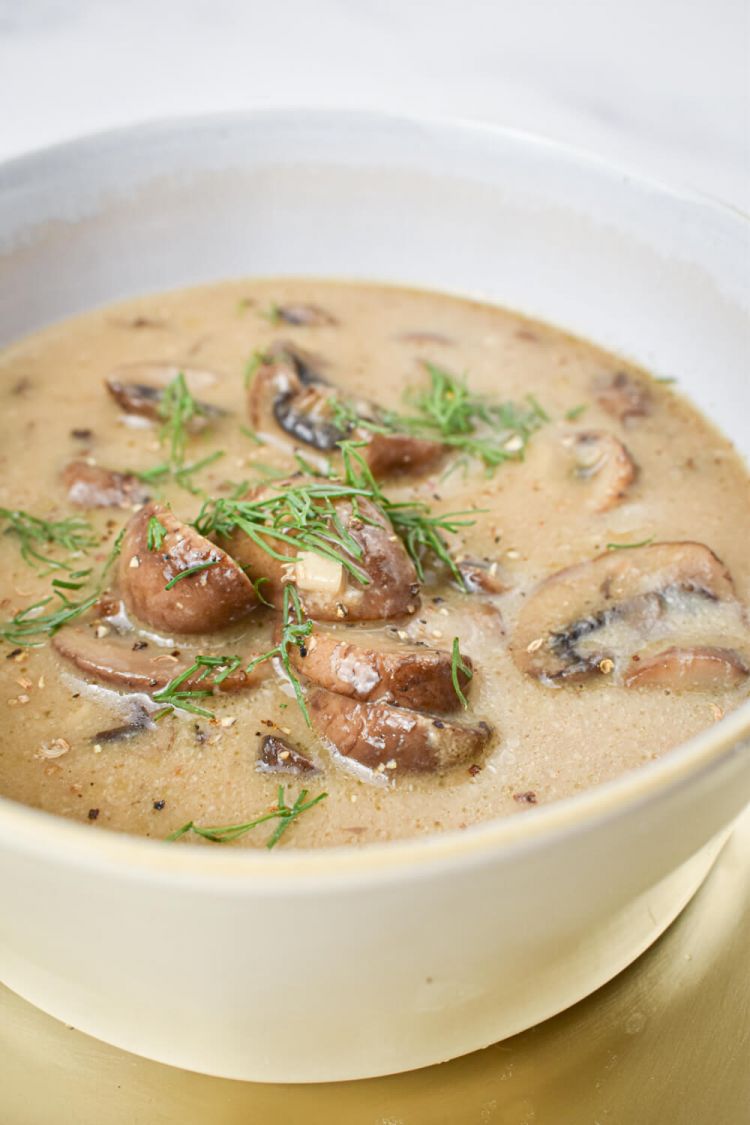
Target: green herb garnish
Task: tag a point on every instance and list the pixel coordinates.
(256, 360)
(73, 534)
(178, 409)
(284, 813)
(155, 533)
(459, 665)
(31, 627)
(176, 695)
(629, 546)
(295, 629)
(197, 569)
(575, 412)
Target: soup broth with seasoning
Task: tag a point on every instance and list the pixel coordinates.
(521, 574)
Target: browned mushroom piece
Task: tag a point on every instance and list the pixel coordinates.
(288, 396)
(138, 388)
(93, 486)
(370, 665)
(328, 592)
(394, 738)
(696, 668)
(604, 465)
(124, 662)
(664, 614)
(483, 576)
(303, 316)
(188, 584)
(623, 395)
(276, 755)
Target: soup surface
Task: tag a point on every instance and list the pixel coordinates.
(525, 576)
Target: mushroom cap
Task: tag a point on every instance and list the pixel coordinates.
(699, 668)
(210, 599)
(393, 587)
(138, 388)
(93, 486)
(595, 616)
(605, 466)
(623, 395)
(370, 665)
(375, 734)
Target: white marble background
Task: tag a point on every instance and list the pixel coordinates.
(662, 86)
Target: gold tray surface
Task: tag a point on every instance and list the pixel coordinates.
(665, 1043)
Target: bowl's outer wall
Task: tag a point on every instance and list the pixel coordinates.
(342, 980)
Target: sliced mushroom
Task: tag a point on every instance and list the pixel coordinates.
(369, 666)
(604, 464)
(643, 616)
(113, 659)
(623, 395)
(138, 388)
(394, 738)
(327, 590)
(483, 576)
(93, 486)
(276, 755)
(696, 668)
(216, 594)
(303, 316)
(288, 394)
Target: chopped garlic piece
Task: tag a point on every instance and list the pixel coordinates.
(317, 574)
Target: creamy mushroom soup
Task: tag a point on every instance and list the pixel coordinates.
(303, 563)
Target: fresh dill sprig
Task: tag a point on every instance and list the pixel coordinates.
(30, 627)
(459, 665)
(285, 814)
(197, 569)
(178, 409)
(295, 629)
(491, 432)
(575, 412)
(155, 533)
(175, 694)
(73, 534)
(180, 474)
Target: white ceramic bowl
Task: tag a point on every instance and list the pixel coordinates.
(296, 967)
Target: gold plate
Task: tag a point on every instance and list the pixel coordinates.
(665, 1043)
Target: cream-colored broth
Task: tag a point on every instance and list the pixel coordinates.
(534, 520)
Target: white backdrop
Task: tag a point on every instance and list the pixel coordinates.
(662, 86)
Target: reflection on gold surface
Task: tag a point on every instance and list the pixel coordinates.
(667, 1042)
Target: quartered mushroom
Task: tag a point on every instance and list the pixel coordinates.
(328, 592)
(117, 659)
(138, 388)
(276, 755)
(659, 615)
(370, 666)
(288, 396)
(188, 584)
(93, 486)
(394, 738)
(624, 396)
(604, 465)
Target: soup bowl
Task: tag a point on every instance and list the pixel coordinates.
(353, 962)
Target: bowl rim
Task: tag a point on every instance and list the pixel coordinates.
(36, 832)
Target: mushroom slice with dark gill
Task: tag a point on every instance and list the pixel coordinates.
(276, 755)
(288, 396)
(372, 665)
(138, 388)
(659, 615)
(394, 739)
(327, 590)
(626, 397)
(117, 660)
(185, 585)
(483, 576)
(603, 465)
(93, 486)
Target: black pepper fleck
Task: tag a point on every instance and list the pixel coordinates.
(93, 814)
(159, 805)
